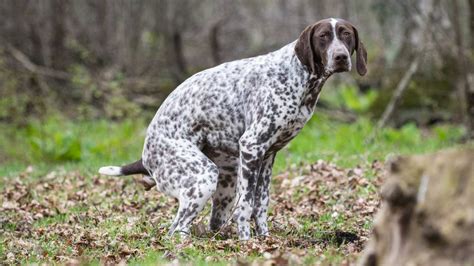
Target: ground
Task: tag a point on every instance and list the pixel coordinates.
(324, 195)
(320, 212)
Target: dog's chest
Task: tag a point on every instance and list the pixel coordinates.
(306, 106)
(287, 134)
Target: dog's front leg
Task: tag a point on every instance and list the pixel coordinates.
(253, 145)
(248, 173)
(262, 195)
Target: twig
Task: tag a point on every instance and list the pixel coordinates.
(397, 95)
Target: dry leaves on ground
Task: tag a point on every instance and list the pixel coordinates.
(317, 211)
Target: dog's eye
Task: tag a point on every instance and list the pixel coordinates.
(346, 34)
(324, 35)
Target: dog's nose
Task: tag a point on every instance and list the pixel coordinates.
(340, 57)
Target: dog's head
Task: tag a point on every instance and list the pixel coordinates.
(326, 47)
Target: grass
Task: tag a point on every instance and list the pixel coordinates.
(346, 144)
(91, 144)
(111, 217)
(84, 145)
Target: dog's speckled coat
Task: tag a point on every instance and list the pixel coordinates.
(216, 135)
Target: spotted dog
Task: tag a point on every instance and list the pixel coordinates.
(216, 135)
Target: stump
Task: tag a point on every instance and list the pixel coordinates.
(427, 214)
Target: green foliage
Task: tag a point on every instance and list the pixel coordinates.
(90, 144)
(51, 142)
(59, 141)
(109, 90)
(347, 144)
(429, 96)
(349, 98)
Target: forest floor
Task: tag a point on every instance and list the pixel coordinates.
(320, 214)
(54, 208)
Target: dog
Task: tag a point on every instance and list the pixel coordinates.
(216, 135)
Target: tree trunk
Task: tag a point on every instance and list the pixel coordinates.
(176, 56)
(465, 92)
(58, 28)
(101, 9)
(36, 44)
(470, 80)
(471, 23)
(214, 43)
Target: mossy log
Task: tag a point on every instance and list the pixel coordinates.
(427, 216)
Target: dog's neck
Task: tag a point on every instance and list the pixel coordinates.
(310, 83)
(313, 89)
(313, 82)
(303, 71)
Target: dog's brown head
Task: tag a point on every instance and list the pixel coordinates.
(326, 47)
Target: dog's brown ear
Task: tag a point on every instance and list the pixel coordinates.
(361, 59)
(304, 49)
(361, 56)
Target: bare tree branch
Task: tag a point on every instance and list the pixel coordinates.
(30, 66)
(397, 95)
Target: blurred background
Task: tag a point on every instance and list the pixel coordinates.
(80, 80)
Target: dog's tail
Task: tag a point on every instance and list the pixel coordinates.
(129, 169)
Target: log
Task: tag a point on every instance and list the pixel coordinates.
(427, 214)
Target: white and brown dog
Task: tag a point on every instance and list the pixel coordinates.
(217, 133)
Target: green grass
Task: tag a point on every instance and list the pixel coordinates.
(88, 145)
(57, 142)
(347, 144)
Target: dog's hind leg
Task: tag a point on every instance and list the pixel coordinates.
(191, 202)
(223, 201)
(190, 177)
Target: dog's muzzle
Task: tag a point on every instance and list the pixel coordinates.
(341, 62)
